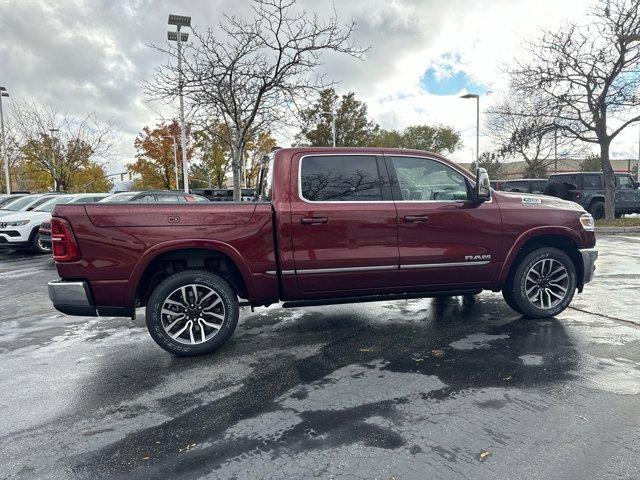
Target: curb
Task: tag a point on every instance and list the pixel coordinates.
(617, 229)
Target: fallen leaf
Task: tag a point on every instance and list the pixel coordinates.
(484, 455)
(367, 349)
(437, 353)
(507, 378)
(146, 458)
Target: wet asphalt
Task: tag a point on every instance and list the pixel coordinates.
(458, 388)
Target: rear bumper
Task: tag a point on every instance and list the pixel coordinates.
(589, 257)
(72, 298)
(75, 298)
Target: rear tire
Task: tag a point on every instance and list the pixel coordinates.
(596, 209)
(192, 313)
(544, 283)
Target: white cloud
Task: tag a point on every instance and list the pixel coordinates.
(93, 55)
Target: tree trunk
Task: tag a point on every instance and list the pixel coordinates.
(236, 169)
(609, 182)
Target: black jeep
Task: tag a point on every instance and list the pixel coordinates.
(587, 189)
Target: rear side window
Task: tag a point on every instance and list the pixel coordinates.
(170, 199)
(516, 186)
(340, 178)
(591, 182)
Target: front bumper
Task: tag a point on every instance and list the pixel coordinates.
(589, 257)
(72, 298)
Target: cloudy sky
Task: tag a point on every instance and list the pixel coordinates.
(93, 55)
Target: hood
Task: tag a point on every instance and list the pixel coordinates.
(31, 216)
(533, 200)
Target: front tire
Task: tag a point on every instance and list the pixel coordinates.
(38, 246)
(543, 284)
(192, 313)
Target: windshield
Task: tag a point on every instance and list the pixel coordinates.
(48, 206)
(119, 198)
(19, 204)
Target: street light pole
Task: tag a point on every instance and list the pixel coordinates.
(175, 158)
(477, 97)
(5, 160)
(181, 21)
(53, 160)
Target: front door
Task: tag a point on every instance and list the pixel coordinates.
(344, 224)
(444, 239)
(627, 196)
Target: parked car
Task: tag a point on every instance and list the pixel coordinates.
(522, 185)
(21, 229)
(153, 196)
(44, 232)
(587, 190)
(328, 226)
(7, 198)
(23, 204)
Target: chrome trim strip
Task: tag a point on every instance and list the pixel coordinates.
(348, 269)
(449, 264)
(284, 272)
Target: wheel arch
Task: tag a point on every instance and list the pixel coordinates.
(172, 257)
(561, 238)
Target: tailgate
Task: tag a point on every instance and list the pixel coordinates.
(159, 215)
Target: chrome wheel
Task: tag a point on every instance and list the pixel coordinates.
(193, 314)
(547, 283)
(43, 246)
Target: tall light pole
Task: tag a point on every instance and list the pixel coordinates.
(5, 160)
(181, 21)
(332, 112)
(477, 97)
(53, 159)
(175, 158)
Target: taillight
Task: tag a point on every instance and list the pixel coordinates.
(63, 242)
(578, 194)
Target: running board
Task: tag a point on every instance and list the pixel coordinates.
(378, 298)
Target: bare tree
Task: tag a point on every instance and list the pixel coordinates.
(58, 143)
(255, 74)
(523, 128)
(586, 75)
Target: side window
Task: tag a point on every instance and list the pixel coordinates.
(591, 182)
(625, 182)
(340, 178)
(170, 199)
(516, 186)
(428, 180)
(538, 186)
(147, 199)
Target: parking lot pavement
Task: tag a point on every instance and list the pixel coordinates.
(451, 388)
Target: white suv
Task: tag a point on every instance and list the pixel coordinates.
(20, 230)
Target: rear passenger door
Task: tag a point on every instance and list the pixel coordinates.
(344, 224)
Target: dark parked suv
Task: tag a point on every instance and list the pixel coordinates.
(587, 189)
(521, 185)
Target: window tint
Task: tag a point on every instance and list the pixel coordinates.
(625, 182)
(424, 179)
(591, 182)
(340, 178)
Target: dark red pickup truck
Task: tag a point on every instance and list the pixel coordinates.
(327, 226)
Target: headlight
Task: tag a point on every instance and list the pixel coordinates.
(587, 222)
(17, 223)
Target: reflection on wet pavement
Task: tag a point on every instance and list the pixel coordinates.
(446, 388)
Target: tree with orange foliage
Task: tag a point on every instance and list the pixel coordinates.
(154, 165)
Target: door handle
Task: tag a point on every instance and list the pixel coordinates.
(416, 218)
(313, 220)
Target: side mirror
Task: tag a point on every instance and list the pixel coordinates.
(483, 186)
